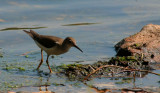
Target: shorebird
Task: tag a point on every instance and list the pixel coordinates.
(52, 45)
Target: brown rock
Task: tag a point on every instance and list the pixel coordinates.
(145, 44)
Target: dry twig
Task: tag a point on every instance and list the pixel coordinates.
(125, 68)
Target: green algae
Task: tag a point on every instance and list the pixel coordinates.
(21, 69)
(137, 45)
(26, 56)
(9, 85)
(57, 84)
(1, 53)
(14, 68)
(17, 66)
(79, 71)
(126, 58)
(124, 81)
(67, 66)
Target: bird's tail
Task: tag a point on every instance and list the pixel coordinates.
(31, 33)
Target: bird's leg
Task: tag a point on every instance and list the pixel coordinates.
(41, 60)
(48, 64)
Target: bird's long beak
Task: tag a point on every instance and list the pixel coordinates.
(78, 48)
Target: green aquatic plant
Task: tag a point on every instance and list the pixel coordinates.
(1, 53)
(9, 85)
(14, 68)
(26, 56)
(8, 68)
(137, 45)
(124, 81)
(66, 66)
(57, 84)
(21, 69)
(125, 58)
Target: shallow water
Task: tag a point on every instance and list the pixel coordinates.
(97, 25)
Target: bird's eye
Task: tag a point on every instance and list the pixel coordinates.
(70, 41)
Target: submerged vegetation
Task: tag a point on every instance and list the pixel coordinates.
(20, 28)
(1, 53)
(123, 70)
(14, 68)
(17, 66)
(116, 67)
(78, 24)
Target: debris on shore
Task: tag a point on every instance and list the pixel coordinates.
(116, 67)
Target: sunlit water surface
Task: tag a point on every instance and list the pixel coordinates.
(104, 23)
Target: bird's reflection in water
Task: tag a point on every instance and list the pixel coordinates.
(43, 88)
(132, 89)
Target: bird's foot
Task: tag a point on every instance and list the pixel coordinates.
(51, 71)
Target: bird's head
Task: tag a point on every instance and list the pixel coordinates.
(71, 42)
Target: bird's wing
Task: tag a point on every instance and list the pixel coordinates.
(48, 41)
